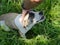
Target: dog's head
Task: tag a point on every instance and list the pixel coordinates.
(29, 18)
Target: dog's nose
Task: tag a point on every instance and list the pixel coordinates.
(40, 13)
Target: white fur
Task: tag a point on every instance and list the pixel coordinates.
(20, 25)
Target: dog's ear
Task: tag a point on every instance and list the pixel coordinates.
(25, 21)
(26, 17)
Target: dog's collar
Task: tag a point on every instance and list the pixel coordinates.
(19, 24)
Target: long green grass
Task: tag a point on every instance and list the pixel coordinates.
(44, 33)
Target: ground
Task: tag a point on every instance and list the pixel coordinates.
(44, 33)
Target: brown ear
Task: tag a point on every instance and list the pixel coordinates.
(25, 23)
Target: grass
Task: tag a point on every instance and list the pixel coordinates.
(45, 33)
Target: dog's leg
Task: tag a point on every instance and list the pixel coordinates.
(4, 26)
(22, 34)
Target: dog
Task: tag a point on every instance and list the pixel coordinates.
(13, 20)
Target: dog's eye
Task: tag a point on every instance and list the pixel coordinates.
(41, 13)
(31, 14)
